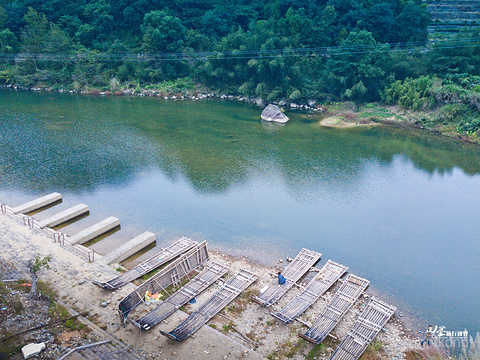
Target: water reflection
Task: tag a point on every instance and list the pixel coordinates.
(75, 143)
(398, 206)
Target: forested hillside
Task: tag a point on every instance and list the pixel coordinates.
(327, 50)
(274, 30)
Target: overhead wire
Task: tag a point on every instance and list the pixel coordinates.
(249, 54)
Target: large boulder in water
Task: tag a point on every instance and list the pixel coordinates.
(273, 113)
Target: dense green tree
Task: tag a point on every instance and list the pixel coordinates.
(70, 24)
(408, 63)
(16, 11)
(3, 18)
(411, 23)
(324, 33)
(8, 41)
(380, 21)
(99, 26)
(34, 34)
(460, 55)
(162, 33)
(41, 36)
(358, 68)
(218, 21)
(410, 93)
(260, 47)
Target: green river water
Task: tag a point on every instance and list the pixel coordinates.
(399, 207)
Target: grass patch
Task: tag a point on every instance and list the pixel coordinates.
(10, 301)
(236, 309)
(74, 324)
(150, 274)
(3, 292)
(228, 327)
(249, 292)
(374, 351)
(58, 311)
(376, 346)
(240, 304)
(177, 86)
(17, 306)
(174, 288)
(293, 329)
(18, 285)
(288, 350)
(47, 291)
(11, 346)
(425, 354)
(316, 352)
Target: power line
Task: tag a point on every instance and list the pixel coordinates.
(248, 54)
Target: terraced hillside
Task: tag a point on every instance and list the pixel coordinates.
(453, 15)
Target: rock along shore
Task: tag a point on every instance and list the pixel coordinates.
(311, 104)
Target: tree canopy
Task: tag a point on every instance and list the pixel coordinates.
(274, 49)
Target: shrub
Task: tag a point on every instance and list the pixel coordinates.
(409, 94)
(74, 324)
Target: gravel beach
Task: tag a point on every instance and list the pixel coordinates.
(244, 330)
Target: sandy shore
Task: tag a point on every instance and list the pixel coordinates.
(243, 331)
(337, 122)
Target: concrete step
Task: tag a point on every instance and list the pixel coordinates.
(37, 203)
(108, 351)
(77, 356)
(64, 216)
(96, 230)
(130, 248)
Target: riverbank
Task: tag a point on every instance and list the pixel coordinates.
(174, 93)
(243, 331)
(348, 114)
(338, 115)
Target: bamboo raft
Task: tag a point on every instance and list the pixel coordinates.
(199, 283)
(171, 274)
(229, 291)
(328, 275)
(364, 330)
(341, 302)
(292, 273)
(165, 255)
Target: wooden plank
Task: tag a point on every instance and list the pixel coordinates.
(292, 273)
(193, 288)
(327, 276)
(229, 291)
(194, 258)
(364, 330)
(165, 255)
(342, 301)
(63, 216)
(37, 203)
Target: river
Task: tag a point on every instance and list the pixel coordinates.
(398, 206)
